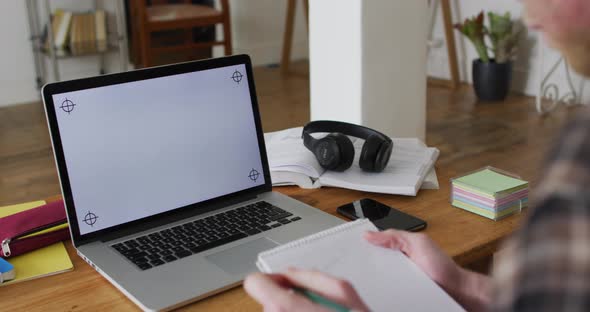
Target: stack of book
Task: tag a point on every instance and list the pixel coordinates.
(80, 33)
(88, 33)
(490, 193)
(60, 27)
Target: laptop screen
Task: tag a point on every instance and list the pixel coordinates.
(141, 148)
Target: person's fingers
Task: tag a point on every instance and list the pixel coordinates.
(269, 290)
(337, 290)
(392, 239)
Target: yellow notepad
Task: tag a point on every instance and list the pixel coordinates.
(10, 210)
(45, 261)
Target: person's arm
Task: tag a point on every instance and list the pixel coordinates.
(471, 290)
(474, 291)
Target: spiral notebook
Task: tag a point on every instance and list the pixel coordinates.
(384, 278)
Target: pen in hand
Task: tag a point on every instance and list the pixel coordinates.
(303, 289)
(313, 297)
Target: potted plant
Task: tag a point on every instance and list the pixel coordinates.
(492, 76)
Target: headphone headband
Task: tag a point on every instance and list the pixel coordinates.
(357, 131)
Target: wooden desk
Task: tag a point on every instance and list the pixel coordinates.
(465, 236)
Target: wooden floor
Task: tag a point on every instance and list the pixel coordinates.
(469, 134)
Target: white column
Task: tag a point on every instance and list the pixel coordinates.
(368, 63)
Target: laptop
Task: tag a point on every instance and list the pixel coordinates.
(165, 179)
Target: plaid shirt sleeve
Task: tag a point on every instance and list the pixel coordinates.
(546, 265)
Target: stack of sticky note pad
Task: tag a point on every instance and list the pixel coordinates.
(489, 193)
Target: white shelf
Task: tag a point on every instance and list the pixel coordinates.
(117, 40)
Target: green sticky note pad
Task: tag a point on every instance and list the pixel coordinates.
(491, 182)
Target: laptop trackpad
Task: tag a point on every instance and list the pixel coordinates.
(241, 259)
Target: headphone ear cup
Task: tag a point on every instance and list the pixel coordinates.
(346, 151)
(327, 152)
(334, 152)
(369, 153)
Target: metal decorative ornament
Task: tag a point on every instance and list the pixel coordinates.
(549, 95)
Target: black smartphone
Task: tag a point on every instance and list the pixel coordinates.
(383, 216)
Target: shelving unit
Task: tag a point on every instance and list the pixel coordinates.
(117, 40)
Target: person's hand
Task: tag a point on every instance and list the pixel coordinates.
(422, 251)
(471, 290)
(275, 291)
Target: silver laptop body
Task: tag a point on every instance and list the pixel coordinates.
(166, 181)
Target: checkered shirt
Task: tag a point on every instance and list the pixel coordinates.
(545, 266)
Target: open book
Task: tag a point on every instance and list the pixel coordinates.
(385, 279)
(410, 167)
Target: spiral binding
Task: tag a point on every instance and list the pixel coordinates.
(313, 237)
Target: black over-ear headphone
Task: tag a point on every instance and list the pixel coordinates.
(336, 152)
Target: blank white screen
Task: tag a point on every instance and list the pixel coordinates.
(141, 148)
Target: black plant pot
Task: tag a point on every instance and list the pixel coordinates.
(491, 81)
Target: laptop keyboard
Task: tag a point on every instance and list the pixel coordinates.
(194, 237)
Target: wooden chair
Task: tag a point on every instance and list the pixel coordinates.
(185, 16)
(289, 29)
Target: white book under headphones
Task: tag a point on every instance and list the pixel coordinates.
(385, 279)
(410, 168)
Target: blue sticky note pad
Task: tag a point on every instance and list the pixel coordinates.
(6, 271)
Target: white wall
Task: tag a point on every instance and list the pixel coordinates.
(17, 77)
(526, 69)
(257, 27)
